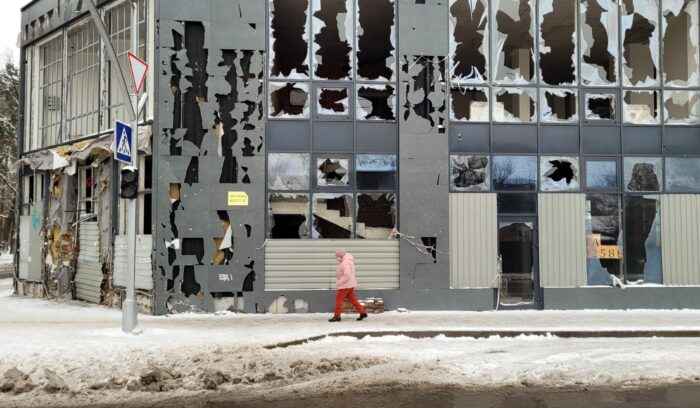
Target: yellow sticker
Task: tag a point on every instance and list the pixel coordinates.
(237, 198)
(608, 252)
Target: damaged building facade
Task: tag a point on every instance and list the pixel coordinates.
(471, 154)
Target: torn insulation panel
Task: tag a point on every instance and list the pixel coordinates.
(599, 42)
(289, 39)
(469, 41)
(376, 102)
(641, 107)
(558, 105)
(424, 95)
(559, 173)
(640, 42)
(376, 40)
(376, 215)
(680, 42)
(288, 171)
(332, 216)
(557, 42)
(289, 100)
(682, 107)
(514, 42)
(470, 173)
(332, 101)
(643, 174)
(333, 35)
(332, 172)
(469, 104)
(288, 215)
(600, 106)
(515, 105)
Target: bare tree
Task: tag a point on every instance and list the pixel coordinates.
(9, 112)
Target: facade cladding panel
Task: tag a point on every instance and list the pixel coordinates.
(279, 123)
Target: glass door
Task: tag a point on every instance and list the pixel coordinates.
(517, 247)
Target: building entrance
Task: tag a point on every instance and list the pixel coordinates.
(517, 247)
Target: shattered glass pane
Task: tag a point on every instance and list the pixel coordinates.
(288, 215)
(375, 171)
(515, 105)
(557, 42)
(288, 171)
(376, 102)
(558, 105)
(511, 173)
(559, 173)
(332, 101)
(603, 238)
(600, 106)
(599, 42)
(640, 42)
(289, 39)
(333, 37)
(470, 173)
(643, 239)
(641, 107)
(332, 172)
(643, 173)
(514, 42)
(680, 42)
(682, 174)
(682, 107)
(601, 174)
(469, 104)
(376, 40)
(332, 216)
(469, 40)
(289, 100)
(376, 215)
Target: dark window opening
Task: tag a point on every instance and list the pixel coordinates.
(333, 53)
(469, 58)
(290, 99)
(288, 215)
(375, 48)
(517, 203)
(332, 216)
(190, 286)
(290, 49)
(195, 247)
(376, 102)
(375, 172)
(469, 104)
(376, 215)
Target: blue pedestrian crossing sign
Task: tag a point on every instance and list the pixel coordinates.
(123, 142)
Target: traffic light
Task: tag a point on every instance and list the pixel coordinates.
(130, 182)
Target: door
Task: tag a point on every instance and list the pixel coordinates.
(517, 247)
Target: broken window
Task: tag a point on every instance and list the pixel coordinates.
(332, 216)
(559, 174)
(376, 215)
(641, 107)
(469, 104)
(557, 19)
(288, 171)
(289, 39)
(376, 102)
(640, 42)
(332, 172)
(288, 216)
(333, 38)
(87, 194)
(514, 42)
(680, 42)
(376, 40)
(603, 238)
(515, 105)
(643, 239)
(599, 42)
(643, 174)
(558, 105)
(600, 106)
(375, 171)
(289, 100)
(332, 101)
(470, 173)
(469, 41)
(601, 175)
(514, 173)
(682, 174)
(681, 107)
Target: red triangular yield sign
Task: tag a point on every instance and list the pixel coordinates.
(139, 68)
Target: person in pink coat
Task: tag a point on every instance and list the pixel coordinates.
(346, 282)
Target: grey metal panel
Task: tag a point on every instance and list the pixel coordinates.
(562, 240)
(88, 276)
(601, 139)
(310, 264)
(288, 135)
(682, 140)
(473, 240)
(559, 139)
(514, 138)
(333, 137)
(680, 239)
(31, 242)
(144, 267)
(472, 138)
(641, 140)
(25, 223)
(377, 137)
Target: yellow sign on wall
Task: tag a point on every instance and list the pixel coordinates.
(597, 250)
(237, 198)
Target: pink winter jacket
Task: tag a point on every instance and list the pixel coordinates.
(345, 273)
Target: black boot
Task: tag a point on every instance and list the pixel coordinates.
(334, 319)
(362, 316)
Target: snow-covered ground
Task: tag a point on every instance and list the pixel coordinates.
(75, 354)
(5, 258)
